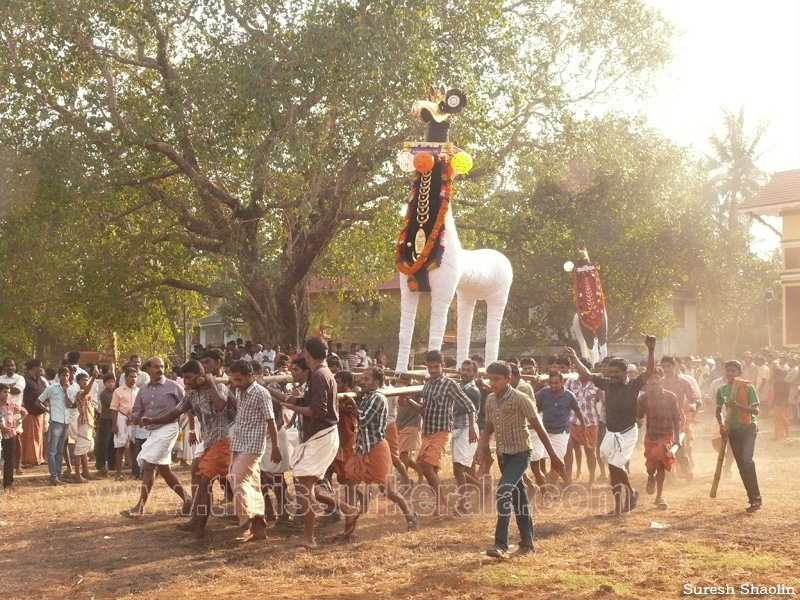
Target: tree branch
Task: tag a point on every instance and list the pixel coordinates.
(763, 222)
(181, 285)
(141, 181)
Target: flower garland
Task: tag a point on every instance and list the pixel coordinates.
(427, 258)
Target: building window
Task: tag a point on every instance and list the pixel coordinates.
(791, 307)
(791, 258)
(679, 310)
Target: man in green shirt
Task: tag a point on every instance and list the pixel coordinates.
(741, 401)
(508, 413)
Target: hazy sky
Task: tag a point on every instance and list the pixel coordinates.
(733, 54)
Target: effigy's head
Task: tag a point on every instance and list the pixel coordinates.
(438, 110)
(434, 163)
(582, 253)
(581, 257)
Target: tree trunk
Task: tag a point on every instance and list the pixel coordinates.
(292, 311)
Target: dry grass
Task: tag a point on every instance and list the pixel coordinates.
(60, 543)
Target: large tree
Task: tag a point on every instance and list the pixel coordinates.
(65, 276)
(252, 133)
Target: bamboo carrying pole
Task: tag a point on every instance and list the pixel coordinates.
(400, 391)
(282, 378)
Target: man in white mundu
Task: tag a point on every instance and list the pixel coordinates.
(155, 399)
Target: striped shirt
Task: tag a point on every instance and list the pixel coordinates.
(157, 399)
(588, 396)
(509, 416)
(438, 398)
(372, 415)
(213, 424)
(253, 411)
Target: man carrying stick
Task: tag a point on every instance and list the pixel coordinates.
(319, 442)
(660, 406)
(372, 460)
(739, 398)
(621, 396)
(438, 398)
(508, 413)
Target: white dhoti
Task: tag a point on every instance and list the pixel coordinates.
(124, 435)
(617, 447)
(157, 449)
(84, 442)
(80, 435)
(266, 463)
(539, 451)
(463, 452)
(559, 442)
(186, 451)
(313, 457)
(72, 430)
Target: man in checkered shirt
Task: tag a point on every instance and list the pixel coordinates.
(254, 422)
(372, 460)
(439, 396)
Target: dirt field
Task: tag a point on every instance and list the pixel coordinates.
(69, 542)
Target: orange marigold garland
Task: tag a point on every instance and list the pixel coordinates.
(431, 255)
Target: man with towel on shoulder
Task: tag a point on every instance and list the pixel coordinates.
(621, 402)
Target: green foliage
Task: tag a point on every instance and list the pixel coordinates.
(230, 143)
(630, 194)
(65, 271)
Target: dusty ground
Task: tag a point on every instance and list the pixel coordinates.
(69, 542)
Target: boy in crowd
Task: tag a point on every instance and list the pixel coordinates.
(508, 413)
(104, 448)
(122, 400)
(11, 416)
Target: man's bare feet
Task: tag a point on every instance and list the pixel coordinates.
(258, 527)
(243, 533)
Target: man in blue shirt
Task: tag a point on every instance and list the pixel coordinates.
(58, 397)
(555, 403)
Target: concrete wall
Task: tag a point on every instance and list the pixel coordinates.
(790, 277)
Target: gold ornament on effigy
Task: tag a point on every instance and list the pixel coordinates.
(419, 241)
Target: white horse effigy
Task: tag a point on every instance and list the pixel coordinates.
(590, 323)
(429, 253)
